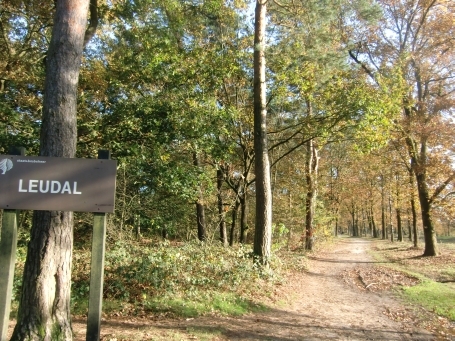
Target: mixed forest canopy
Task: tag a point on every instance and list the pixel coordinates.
(240, 121)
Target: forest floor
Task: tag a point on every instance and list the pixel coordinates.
(344, 294)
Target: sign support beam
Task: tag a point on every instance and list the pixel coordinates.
(97, 270)
(8, 246)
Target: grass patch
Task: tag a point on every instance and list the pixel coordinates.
(446, 239)
(204, 334)
(429, 293)
(176, 306)
(437, 297)
(220, 303)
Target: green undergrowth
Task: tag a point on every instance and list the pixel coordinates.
(184, 279)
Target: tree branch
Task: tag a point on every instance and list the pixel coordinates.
(91, 29)
(441, 188)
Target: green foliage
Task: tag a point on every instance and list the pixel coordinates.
(280, 235)
(183, 279)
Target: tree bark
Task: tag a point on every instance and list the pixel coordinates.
(383, 209)
(399, 225)
(429, 233)
(310, 201)
(398, 211)
(200, 209)
(373, 223)
(390, 220)
(263, 226)
(243, 216)
(221, 213)
(235, 211)
(44, 309)
(418, 166)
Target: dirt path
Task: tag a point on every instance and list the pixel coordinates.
(321, 306)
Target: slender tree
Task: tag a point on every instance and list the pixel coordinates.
(263, 226)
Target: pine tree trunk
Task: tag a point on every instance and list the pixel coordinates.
(263, 227)
(44, 309)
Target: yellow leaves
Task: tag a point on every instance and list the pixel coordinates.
(165, 157)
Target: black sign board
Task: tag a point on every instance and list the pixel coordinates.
(57, 184)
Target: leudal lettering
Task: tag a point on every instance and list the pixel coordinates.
(48, 186)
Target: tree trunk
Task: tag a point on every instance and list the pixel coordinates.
(373, 223)
(243, 216)
(390, 220)
(399, 225)
(200, 209)
(263, 226)
(44, 309)
(235, 211)
(311, 182)
(418, 155)
(413, 210)
(398, 210)
(353, 221)
(409, 226)
(336, 226)
(221, 213)
(429, 233)
(383, 209)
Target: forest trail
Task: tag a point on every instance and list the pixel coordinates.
(319, 305)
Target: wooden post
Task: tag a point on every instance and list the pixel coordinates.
(97, 270)
(7, 261)
(8, 245)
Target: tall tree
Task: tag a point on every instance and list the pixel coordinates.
(413, 44)
(263, 226)
(311, 174)
(44, 310)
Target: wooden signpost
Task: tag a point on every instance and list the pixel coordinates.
(55, 184)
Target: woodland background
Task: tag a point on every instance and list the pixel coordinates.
(350, 102)
(167, 87)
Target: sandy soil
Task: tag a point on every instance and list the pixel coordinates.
(323, 303)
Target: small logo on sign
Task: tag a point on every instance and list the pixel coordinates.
(5, 165)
